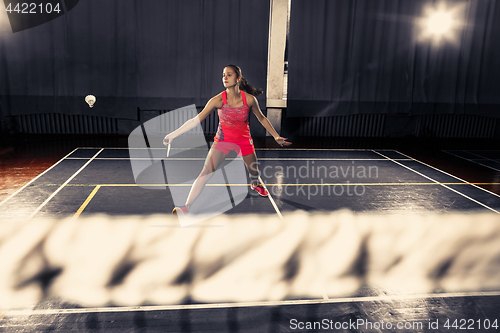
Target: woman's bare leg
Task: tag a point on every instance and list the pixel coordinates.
(252, 167)
(214, 159)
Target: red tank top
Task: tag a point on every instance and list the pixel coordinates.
(233, 121)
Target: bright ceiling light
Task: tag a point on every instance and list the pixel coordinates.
(440, 24)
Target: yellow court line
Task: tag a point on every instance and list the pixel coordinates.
(82, 207)
(282, 184)
(296, 184)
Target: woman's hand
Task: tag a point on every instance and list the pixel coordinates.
(282, 141)
(168, 139)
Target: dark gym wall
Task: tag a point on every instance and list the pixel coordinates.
(152, 54)
(363, 56)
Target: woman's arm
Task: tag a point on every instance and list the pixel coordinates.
(213, 103)
(254, 104)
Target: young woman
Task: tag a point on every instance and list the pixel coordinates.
(234, 105)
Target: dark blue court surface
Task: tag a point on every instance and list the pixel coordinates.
(424, 313)
(94, 180)
(486, 158)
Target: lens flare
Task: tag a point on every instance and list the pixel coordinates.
(441, 24)
(5, 28)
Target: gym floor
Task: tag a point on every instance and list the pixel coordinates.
(88, 175)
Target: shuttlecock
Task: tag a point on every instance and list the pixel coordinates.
(90, 99)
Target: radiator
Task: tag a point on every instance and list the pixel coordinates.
(359, 125)
(54, 123)
(211, 123)
(457, 126)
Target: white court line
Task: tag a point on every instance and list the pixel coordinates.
(141, 159)
(40, 175)
(449, 188)
(263, 149)
(63, 185)
(271, 199)
(430, 166)
(382, 298)
(326, 159)
(281, 149)
(321, 149)
(475, 161)
(260, 158)
(482, 157)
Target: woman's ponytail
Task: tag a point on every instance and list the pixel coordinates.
(244, 83)
(248, 88)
